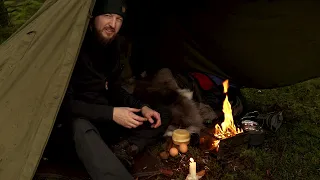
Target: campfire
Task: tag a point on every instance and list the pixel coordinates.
(227, 128)
(223, 142)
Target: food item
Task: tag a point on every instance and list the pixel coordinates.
(164, 155)
(183, 148)
(173, 151)
(180, 136)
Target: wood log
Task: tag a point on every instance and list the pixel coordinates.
(232, 146)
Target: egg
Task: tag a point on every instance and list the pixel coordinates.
(173, 151)
(183, 148)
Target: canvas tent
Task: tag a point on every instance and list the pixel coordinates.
(257, 43)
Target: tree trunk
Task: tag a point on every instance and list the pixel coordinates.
(4, 17)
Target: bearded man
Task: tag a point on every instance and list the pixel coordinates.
(101, 111)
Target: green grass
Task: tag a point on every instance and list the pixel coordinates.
(292, 153)
(22, 11)
(19, 13)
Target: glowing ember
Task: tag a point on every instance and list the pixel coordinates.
(215, 145)
(227, 128)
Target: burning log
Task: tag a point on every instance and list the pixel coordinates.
(227, 128)
(226, 147)
(226, 139)
(232, 146)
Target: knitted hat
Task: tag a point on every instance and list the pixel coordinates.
(109, 7)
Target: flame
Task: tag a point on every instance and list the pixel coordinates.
(227, 128)
(215, 145)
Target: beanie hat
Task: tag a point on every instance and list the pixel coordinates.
(109, 7)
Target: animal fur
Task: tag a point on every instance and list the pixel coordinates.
(162, 90)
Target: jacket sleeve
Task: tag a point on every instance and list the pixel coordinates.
(92, 112)
(120, 97)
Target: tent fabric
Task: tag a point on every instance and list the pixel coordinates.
(35, 67)
(257, 43)
(261, 44)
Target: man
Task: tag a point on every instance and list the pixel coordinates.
(102, 111)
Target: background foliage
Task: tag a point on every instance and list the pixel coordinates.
(13, 13)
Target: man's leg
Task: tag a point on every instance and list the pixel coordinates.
(96, 156)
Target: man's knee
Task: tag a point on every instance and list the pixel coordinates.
(81, 126)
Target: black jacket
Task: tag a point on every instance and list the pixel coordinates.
(87, 96)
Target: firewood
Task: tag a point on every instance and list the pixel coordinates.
(165, 172)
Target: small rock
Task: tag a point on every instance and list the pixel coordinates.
(205, 161)
(164, 155)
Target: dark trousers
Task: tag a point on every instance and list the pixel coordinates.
(92, 140)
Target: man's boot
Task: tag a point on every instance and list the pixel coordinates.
(125, 152)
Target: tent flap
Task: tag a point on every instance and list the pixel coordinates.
(35, 67)
(259, 44)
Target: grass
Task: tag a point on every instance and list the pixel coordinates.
(19, 13)
(292, 153)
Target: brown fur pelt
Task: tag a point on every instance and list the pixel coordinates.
(162, 90)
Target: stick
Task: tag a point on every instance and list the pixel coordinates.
(143, 174)
(165, 172)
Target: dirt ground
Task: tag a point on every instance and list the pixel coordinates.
(212, 163)
(147, 165)
(176, 167)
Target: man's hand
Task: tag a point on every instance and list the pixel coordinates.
(126, 117)
(151, 115)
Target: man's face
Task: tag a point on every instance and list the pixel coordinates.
(107, 26)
